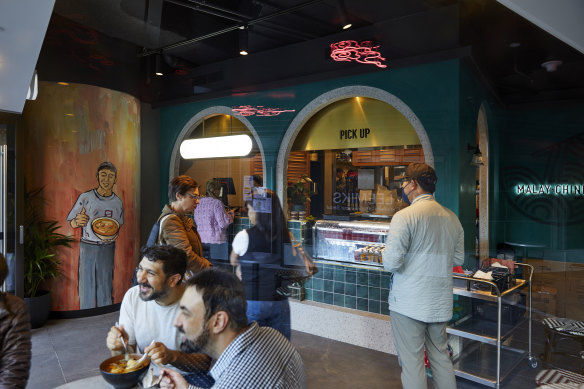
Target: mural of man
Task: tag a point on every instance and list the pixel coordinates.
(100, 214)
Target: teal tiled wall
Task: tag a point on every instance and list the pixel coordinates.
(337, 284)
(346, 286)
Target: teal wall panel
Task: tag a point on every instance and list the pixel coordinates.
(430, 91)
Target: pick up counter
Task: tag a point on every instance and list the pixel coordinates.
(347, 299)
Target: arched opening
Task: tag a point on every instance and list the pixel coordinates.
(233, 171)
(371, 122)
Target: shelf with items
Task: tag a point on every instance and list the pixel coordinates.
(471, 363)
(486, 360)
(357, 242)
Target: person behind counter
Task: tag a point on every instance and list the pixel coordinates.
(211, 218)
(15, 345)
(424, 242)
(176, 228)
(259, 251)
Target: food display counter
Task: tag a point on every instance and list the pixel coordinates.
(357, 242)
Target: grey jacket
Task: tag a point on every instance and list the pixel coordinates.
(14, 342)
(424, 242)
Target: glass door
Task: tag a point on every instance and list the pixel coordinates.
(10, 236)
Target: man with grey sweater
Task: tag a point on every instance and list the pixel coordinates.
(424, 242)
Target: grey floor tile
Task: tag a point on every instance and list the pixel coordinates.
(45, 372)
(77, 375)
(41, 344)
(68, 350)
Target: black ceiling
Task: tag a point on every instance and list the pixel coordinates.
(113, 43)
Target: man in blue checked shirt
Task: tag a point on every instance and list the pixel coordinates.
(213, 320)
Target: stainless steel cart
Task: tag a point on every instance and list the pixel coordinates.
(475, 362)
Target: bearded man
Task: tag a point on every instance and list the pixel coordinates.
(149, 308)
(213, 320)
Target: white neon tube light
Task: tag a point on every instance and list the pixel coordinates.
(216, 147)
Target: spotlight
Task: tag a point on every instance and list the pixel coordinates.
(158, 65)
(243, 40)
(343, 16)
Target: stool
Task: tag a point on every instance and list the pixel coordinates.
(557, 329)
(558, 378)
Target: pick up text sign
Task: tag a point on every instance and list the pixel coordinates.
(354, 133)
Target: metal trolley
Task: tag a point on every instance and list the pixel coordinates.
(475, 362)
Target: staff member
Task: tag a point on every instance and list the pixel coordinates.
(424, 242)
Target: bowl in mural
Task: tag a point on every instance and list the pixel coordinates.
(105, 228)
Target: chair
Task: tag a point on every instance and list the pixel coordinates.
(562, 329)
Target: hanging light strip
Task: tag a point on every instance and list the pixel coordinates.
(216, 147)
(260, 110)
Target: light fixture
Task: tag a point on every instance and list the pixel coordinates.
(477, 156)
(158, 65)
(243, 40)
(216, 147)
(551, 66)
(365, 52)
(33, 89)
(343, 16)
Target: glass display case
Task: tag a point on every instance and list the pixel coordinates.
(357, 242)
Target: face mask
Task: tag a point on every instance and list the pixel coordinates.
(405, 196)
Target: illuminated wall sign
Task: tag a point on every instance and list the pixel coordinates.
(549, 189)
(353, 51)
(260, 110)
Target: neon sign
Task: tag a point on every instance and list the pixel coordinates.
(549, 189)
(260, 110)
(363, 52)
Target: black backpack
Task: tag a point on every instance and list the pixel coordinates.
(153, 237)
(154, 232)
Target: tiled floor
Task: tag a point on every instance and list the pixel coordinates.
(67, 350)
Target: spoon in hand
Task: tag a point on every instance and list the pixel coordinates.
(143, 357)
(126, 356)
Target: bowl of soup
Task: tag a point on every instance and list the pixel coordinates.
(122, 374)
(105, 228)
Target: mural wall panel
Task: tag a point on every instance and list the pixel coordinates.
(83, 147)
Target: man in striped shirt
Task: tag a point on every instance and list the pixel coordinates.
(213, 320)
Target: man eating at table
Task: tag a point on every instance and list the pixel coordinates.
(213, 320)
(149, 308)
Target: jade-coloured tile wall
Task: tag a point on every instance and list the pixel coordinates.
(337, 284)
(349, 287)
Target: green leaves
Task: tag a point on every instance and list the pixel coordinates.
(41, 241)
(300, 192)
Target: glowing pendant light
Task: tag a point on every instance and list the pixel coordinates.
(216, 147)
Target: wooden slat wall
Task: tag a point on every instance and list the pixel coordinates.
(298, 164)
(256, 165)
(387, 157)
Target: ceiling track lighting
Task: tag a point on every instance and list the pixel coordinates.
(343, 16)
(158, 62)
(243, 40)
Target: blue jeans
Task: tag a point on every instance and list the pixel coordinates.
(275, 314)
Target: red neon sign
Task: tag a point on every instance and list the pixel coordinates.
(260, 110)
(363, 52)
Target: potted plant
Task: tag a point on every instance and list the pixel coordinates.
(299, 193)
(41, 262)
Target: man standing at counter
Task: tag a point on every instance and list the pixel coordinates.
(424, 242)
